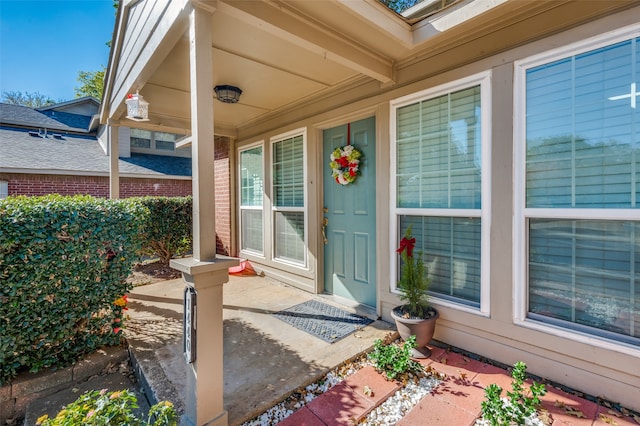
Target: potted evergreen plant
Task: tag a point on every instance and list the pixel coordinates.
(416, 317)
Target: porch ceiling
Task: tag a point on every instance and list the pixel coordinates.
(279, 55)
(282, 53)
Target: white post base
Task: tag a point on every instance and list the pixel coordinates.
(205, 382)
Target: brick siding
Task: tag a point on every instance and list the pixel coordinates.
(96, 186)
(222, 176)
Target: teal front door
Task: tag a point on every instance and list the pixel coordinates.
(350, 216)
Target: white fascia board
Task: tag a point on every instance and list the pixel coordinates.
(184, 142)
(451, 18)
(114, 56)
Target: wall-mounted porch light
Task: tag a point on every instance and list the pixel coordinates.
(227, 94)
(137, 107)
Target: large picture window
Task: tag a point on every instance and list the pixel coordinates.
(288, 199)
(251, 200)
(579, 210)
(440, 146)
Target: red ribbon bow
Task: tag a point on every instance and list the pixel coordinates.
(407, 244)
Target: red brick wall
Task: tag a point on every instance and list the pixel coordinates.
(32, 185)
(97, 186)
(130, 187)
(222, 173)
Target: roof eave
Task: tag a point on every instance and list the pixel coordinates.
(31, 125)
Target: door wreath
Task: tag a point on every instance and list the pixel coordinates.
(345, 164)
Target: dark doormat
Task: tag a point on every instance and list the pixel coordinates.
(321, 320)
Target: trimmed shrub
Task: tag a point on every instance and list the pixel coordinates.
(63, 264)
(167, 232)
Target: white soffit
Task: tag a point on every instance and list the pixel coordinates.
(263, 47)
(286, 23)
(451, 18)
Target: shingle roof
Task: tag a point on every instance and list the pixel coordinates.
(162, 164)
(73, 121)
(76, 101)
(77, 154)
(49, 119)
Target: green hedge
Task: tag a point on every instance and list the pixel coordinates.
(63, 263)
(167, 232)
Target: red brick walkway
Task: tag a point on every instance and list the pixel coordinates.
(455, 402)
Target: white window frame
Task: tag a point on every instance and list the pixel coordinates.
(274, 209)
(522, 214)
(261, 208)
(483, 79)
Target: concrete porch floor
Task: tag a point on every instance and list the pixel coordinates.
(265, 359)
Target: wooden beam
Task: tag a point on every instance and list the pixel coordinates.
(289, 25)
(376, 13)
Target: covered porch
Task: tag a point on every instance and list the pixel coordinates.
(265, 359)
(308, 71)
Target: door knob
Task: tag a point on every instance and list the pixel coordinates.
(325, 222)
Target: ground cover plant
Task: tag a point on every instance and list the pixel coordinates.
(110, 408)
(394, 360)
(519, 404)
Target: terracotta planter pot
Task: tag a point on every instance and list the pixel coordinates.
(423, 329)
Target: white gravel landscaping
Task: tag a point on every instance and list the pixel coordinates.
(387, 414)
(300, 398)
(390, 411)
(400, 403)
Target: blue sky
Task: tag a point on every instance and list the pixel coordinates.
(45, 43)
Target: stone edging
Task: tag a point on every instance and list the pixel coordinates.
(28, 387)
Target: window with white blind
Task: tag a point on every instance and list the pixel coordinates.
(579, 217)
(441, 178)
(251, 182)
(4, 189)
(288, 199)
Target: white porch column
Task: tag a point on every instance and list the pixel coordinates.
(203, 272)
(202, 149)
(114, 148)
